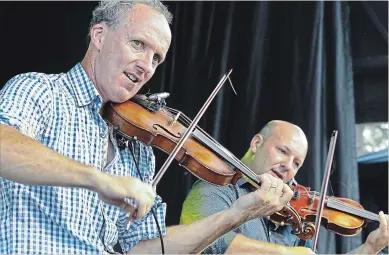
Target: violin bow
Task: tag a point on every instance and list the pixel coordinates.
(324, 185)
(189, 130)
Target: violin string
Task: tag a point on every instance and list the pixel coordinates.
(344, 207)
(243, 167)
(355, 210)
(182, 116)
(247, 170)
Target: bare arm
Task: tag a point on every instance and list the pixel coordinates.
(241, 244)
(196, 236)
(363, 249)
(193, 237)
(25, 160)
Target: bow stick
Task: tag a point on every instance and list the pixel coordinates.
(324, 185)
(189, 130)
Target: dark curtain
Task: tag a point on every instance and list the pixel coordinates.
(291, 61)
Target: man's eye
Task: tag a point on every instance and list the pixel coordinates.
(137, 44)
(156, 58)
(282, 150)
(296, 164)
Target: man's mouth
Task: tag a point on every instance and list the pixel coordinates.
(279, 175)
(132, 77)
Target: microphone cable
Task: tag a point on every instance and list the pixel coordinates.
(116, 128)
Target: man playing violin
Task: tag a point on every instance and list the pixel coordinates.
(278, 150)
(65, 186)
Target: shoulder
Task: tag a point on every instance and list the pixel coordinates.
(201, 185)
(204, 199)
(31, 85)
(213, 193)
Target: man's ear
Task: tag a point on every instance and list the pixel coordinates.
(256, 142)
(97, 34)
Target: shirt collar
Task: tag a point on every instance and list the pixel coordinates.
(242, 182)
(83, 87)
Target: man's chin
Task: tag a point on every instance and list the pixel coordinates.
(123, 96)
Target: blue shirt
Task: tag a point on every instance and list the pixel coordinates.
(62, 112)
(206, 199)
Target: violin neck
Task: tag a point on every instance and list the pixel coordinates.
(203, 137)
(341, 206)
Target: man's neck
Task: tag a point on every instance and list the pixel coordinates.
(246, 160)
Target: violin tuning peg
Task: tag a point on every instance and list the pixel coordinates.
(268, 217)
(282, 223)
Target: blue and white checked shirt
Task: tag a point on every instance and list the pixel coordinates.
(62, 112)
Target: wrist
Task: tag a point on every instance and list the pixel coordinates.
(367, 249)
(94, 179)
(236, 217)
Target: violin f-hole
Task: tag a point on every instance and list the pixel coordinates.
(156, 126)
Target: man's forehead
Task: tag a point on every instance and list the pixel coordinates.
(147, 21)
(293, 138)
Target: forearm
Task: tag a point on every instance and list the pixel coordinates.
(193, 237)
(27, 161)
(241, 244)
(363, 249)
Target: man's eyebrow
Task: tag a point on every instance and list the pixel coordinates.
(287, 148)
(289, 151)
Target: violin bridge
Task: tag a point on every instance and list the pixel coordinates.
(174, 120)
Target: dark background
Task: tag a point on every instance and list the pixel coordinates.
(320, 65)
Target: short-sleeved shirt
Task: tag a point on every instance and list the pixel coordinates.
(206, 199)
(62, 112)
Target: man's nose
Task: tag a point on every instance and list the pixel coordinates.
(145, 64)
(288, 165)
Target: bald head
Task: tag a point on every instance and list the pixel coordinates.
(282, 128)
(279, 148)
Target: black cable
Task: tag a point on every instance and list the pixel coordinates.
(122, 144)
(152, 211)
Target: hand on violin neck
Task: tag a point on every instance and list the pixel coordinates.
(378, 239)
(270, 197)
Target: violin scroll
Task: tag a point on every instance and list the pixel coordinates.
(289, 216)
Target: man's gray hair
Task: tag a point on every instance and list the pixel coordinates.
(111, 11)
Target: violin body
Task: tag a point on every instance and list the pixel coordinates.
(157, 127)
(306, 202)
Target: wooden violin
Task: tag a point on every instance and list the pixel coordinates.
(343, 216)
(150, 121)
